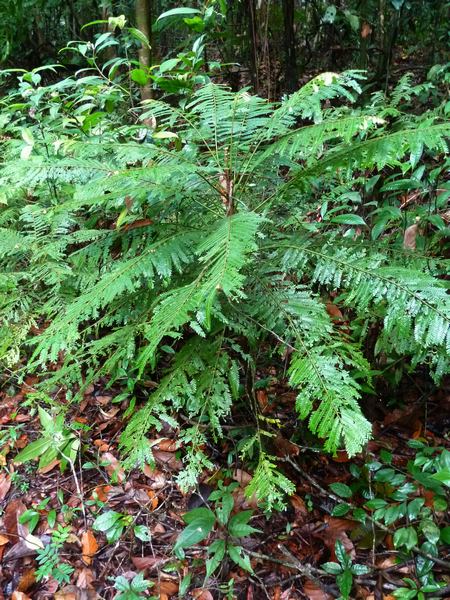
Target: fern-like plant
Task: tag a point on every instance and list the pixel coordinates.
(177, 241)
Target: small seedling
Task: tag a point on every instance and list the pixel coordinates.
(344, 570)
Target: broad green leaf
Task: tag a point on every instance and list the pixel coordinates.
(360, 569)
(181, 11)
(430, 530)
(199, 514)
(51, 454)
(340, 510)
(348, 219)
(185, 584)
(405, 537)
(375, 503)
(115, 532)
(217, 552)
(139, 76)
(33, 450)
(164, 135)
(47, 420)
(26, 152)
(223, 510)
(414, 508)
(31, 518)
(201, 521)
(341, 554)
(117, 21)
(238, 525)
(238, 556)
(332, 568)
(168, 65)
(445, 535)
(443, 476)
(106, 520)
(138, 35)
(345, 581)
(142, 532)
(341, 489)
(27, 136)
(51, 518)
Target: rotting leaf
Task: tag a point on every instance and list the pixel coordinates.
(314, 592)
(146, 562)
(5, 484)
(409, 237)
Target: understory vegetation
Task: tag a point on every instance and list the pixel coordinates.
(243, 280)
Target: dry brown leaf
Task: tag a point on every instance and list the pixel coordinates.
(157, 477)
(21, 442)
(314, 592)
(168, 445)
(146, 562)
(263, 401)
(103, 400)
(202, 594)
(337, 530)
(334, 311)
(242, 502)
(10, 519)
(170, 588)
(85, 578)
(101, 493)
(285, 447)
(366, 30)
(19, 596)
(27, 581)
(5, 484)
(110, 414)
(276, 593)
(158, 528)
(168, 459)
(298, 505)
(153, 499)
(72, 592)
(89, 547)
(3, 540)
(242, 477)
(409, 237)
(51, 465)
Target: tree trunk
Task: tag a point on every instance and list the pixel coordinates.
(253, 35)
(290, 59)
(144, 24)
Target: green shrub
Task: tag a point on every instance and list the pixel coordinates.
(176, 240)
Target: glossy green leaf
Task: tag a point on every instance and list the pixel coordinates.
(33, 450)
(237, 555)
(181, 11)
(106, 520)
(405, 537)
(341, 489)
(348, 219)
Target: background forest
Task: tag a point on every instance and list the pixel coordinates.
(224, 308)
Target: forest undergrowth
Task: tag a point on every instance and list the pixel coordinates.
(224, 333)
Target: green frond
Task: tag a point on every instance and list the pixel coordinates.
(329, 397)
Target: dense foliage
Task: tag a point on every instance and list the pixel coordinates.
(271, 44)
(173, 241)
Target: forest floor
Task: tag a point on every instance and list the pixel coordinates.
(287, 554)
